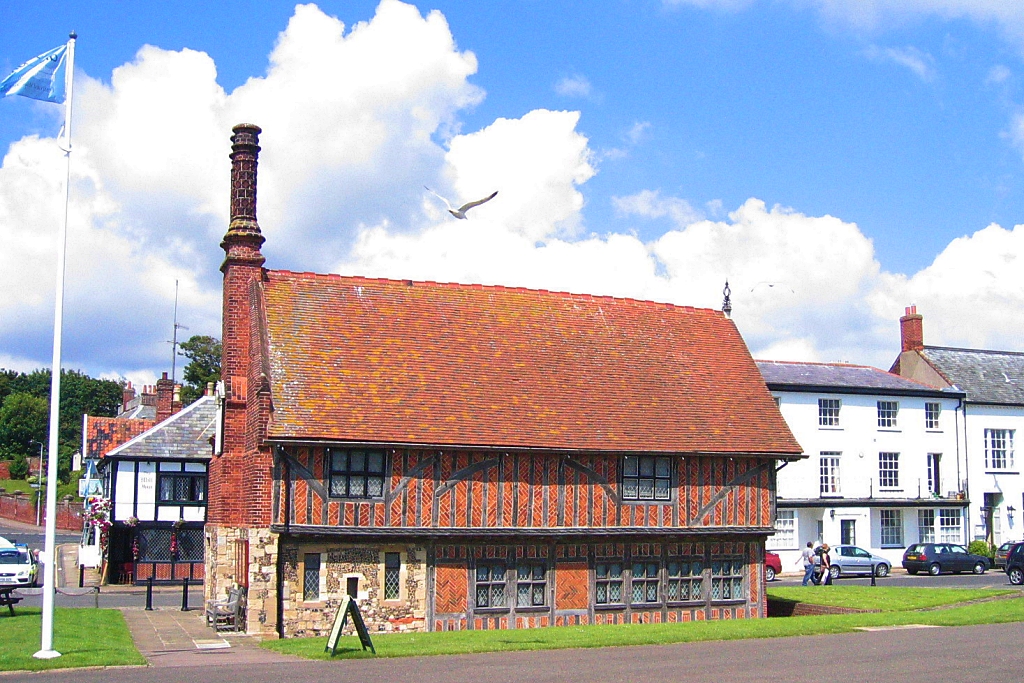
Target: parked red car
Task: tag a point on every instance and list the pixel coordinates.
(772, 565)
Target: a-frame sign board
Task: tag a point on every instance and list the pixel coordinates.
(348, 607)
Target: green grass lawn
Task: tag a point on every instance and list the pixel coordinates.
(84, 637)
(896, 613)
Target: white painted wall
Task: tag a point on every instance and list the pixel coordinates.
(859, 440)
(1008, 482)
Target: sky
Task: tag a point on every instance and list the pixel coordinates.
(835, 161)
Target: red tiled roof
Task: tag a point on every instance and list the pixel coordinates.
(104, 434)
(359, 359)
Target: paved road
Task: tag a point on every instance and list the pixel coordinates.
(34, 537)
(937, 655)
(990, 579)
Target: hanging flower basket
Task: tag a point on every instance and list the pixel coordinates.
(132, 521)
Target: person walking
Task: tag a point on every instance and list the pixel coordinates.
(826, 566)
(807, 557)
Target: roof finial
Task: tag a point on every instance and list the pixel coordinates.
(726, 303)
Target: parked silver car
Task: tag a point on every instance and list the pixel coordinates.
(848, 560)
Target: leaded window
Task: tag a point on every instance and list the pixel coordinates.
(828, 473)
(608, 583)
(998, 449)
(181, 488)
(392, 575)
(891, 528)
(646, 477)
(644, 582)
(356, 473)
(685, 580)
(931, 415)
(828, 412)
(727, 579)
(889, 470)
(531, 585)
(887, 412)
(311, 577)
(491, 585)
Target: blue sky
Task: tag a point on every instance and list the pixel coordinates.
(887, 134)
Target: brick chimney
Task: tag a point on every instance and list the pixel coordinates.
(127, 396)
(912, 330)
(164, 398)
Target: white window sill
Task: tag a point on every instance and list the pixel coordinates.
(889, 429)
(830, 428)
(1002, 471)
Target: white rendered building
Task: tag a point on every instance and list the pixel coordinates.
(883, 470)
(990, 417)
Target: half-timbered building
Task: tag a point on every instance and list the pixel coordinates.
(479, 457)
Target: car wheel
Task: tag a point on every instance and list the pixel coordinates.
(912, 572)
(979, 568)
(1016, 575)
(769, 574)
(934, 569)
(834, 571)
(882, 570)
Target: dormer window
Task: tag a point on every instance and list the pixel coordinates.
(356, 473)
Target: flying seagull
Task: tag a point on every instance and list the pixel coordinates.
(461, 211)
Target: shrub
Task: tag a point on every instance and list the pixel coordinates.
(19, 468)
(981, 548)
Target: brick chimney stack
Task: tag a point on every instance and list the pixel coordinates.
(164, 398)
(127, 396)
(912, 330)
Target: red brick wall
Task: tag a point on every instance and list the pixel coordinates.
(437, 489)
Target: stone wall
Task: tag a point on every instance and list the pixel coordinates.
(340, 563)
(230, 551)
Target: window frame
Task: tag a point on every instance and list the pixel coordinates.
(533, 583)
(888, 414)
(933, 462)
(828, 414)
(309, 595)
(891, 521)
(693, 577)
(491, 582)
(831, 477)
(784, 537)
(926, 525)
(889, 477)
(332, 474)
(722, 579)
(626, 479)
(1005, 461)
(607, 580)
(392, 589)
(947, 529)
(195, 477)
(649, 584)
(932, 413)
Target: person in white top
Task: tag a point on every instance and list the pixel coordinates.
(807, 557)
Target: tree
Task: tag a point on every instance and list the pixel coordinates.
(203, 353)
(23, 418)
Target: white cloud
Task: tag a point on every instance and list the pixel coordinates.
(921, 64)
(998, 74)
(573, 86)
(341, 176)
(650, 204)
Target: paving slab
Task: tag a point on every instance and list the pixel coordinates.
(172, 638)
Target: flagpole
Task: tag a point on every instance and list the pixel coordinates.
(46, 650)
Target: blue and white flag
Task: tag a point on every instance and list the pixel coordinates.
(41, 78)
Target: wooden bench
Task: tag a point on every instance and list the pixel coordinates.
(7, 599)
(227, 613)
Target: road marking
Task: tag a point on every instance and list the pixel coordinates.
(903, 627)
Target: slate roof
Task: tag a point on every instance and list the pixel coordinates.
(103, 434)
(184, 435)
(986, 376)
(384, 361)
(841, 378)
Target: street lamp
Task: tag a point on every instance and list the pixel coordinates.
(39, 481)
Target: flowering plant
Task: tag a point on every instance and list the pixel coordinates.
(135, 549)
(98, 516)
(132, 521)
(178, 523)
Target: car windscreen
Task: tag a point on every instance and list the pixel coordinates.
(13, 557)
